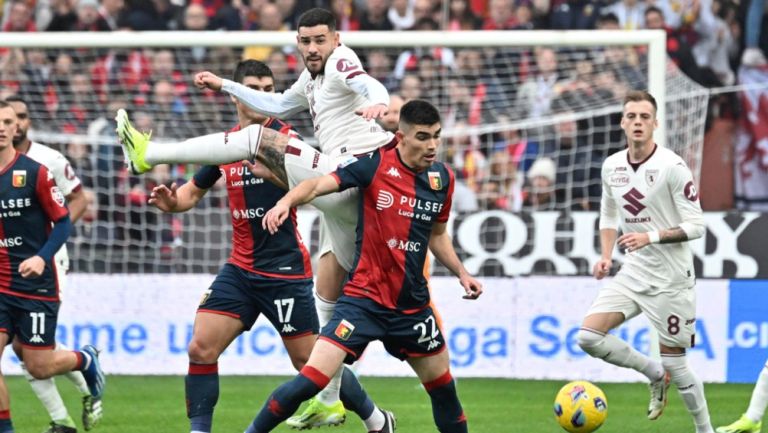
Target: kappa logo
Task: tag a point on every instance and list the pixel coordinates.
(288, 328)
(394, 172)
(433, 344)
(384, 200)
(36, 339)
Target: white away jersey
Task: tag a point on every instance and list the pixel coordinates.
(332, 104)
(659, 194)
(65, 178)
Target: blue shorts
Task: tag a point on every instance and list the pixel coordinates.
(288, 304)
(358, 321)
(33, 321)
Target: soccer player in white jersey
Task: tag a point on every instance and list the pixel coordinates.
(649, 193)
(751, 421)
(344, 102)
(69, 183)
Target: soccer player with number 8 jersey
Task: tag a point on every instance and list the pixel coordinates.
(649, 193)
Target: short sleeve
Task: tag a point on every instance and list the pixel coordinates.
(359, 173)
(65, 176)
(50, 197)
(207, 176)
(343, 65)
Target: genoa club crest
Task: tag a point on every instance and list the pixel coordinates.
(344, 330)
(435, 181)
(19, 178)
(651, 176)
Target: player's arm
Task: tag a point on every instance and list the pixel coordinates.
(77, 203)
(609, 224)
(369, 87)
(279, 105)
(303, 193)
(441, 245)
(52, 203)
(176, 199)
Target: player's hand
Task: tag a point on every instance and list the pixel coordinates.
(33, 267)
(257, 169)
(164, 198)
(472, 287)
(633, 241)
(275, 217)
(208, 80)
(373, 112)
(602, 268)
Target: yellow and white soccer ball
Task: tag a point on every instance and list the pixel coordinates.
(580, 407)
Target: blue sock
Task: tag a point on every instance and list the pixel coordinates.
(286, 399)
(202, 392)
(6, 426)
(354, 396)
(446, 408)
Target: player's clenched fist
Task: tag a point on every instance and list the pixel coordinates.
(208, 80)
(275, 217)
(602, 268)
(33, 267)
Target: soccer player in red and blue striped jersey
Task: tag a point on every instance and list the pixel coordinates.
(266, 273)
(34, 224)
(405, 201)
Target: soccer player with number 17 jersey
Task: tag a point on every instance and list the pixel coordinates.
(648, 192)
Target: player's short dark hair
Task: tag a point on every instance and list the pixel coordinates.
(419, 112)
(318, 17)
(639, 96)
(16, 98)
(251, 68)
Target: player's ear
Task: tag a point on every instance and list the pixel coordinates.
(399, 135)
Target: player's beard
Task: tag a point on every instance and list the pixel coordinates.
(19, 139)
(318, 64)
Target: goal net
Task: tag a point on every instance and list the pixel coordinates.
(528, 118)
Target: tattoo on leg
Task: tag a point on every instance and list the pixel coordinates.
(673, 235)
(272, 153)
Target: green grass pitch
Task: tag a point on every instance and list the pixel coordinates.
(147, 404)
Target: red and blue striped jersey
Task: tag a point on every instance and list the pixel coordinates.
(30, 202)
(281, 255)
(398, 208)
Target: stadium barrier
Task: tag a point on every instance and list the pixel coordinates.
(520, 328)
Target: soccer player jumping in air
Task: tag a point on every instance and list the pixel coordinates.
(344, 102)
(649, 193)
(406, 200)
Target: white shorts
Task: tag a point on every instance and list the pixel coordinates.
(340, 210)
(672, 313)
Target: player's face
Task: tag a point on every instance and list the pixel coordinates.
(639, 122)
(419, 144)
(316, 44)
(22, 114)
(263, 84)
(7, 127)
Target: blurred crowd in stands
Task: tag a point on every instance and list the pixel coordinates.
(551, 166)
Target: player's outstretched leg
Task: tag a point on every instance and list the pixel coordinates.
(750, 422)
(141, 154)
(691, 389)
(91, 368)
(92, 411)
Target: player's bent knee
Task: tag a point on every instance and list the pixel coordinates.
(39, 370)
(589, 340)
(202, 353)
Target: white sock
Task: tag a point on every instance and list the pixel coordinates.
(75, 376)
(376, 421)
(616, 351)
(49, 396)
(324, 310)
(330, 394)
(215, 149)
(691, 389)
(759, 399)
